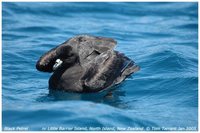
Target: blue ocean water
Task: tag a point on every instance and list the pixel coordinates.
(162, 38)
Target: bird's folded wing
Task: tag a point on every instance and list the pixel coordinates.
(101, 72)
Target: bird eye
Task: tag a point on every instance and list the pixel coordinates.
(72, 54)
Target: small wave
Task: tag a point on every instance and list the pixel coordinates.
(161, 38)
(188, 26)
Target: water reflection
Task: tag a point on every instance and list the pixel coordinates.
(113, 96)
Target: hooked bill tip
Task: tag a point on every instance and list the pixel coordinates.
(57, 64)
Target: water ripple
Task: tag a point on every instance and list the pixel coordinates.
(162, 38)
